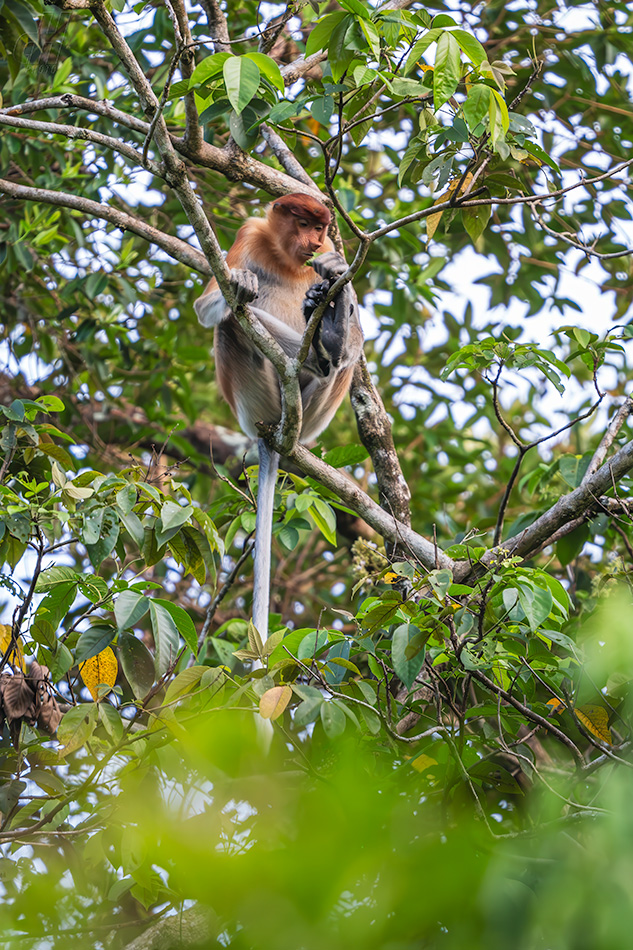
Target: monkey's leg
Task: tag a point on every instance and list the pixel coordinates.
(268, 463)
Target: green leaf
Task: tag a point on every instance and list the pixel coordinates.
(137, 664)
(312, 644)
(166, 637)
(325, 520)
(405, 669)
(475, 221)
(333, 719)
(93, 520)
(126, 499)
(173, 515)
(134, 527)
(268, 68)
(536, 604)
(471, 46)
(346, 455)
(76, 727)
(440, 581)
(102, 549)
(537, 152)
(208, 68)
(51, 611)
(476, 105)
(130, 606)
(569, 547)
(415, 148)
(335, 674)
(503, 110)
(241, 76)
(448, 68)
(372, 36)
(239, 126)
(54, 576)
(288, 536)
(111, 719)
(93, 641)
(573, 468)
(320, 35)
(340, 52)
(51, 403)
(182, 683)
(356, 7)
(307, 711)
(184, 624)
(420, 48)
(25, 18)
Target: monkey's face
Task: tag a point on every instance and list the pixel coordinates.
(306, 238)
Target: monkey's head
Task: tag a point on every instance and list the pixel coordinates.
(300, 223)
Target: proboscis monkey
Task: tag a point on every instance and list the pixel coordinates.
(269, 268)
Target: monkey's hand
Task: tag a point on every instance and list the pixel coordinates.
(314, 296)
(330, 335)
(244, 285)
(330, 265)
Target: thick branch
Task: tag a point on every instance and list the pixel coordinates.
(68, 101)
(374, 429)
(382, 522)
(567, 509)
(230, 161)
(173, 246)
(293, 71)
(218, 28)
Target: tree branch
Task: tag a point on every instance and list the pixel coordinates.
(86, 135)
(186, 57)
(375, 433)
(179, 250)
(476, 203)
(567, 509)
(216, 21)
(285, 157)
(616, 424)
(230, 161)
(356, 499)
(69, 101)
(293, 71)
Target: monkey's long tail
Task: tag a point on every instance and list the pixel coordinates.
(268, 465)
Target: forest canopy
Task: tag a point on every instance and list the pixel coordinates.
(432, 749)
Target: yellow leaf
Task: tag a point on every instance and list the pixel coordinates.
(423, 762)
(17, 657)
(274, 701)
(98, 670)
(434, 219)
(595, 719)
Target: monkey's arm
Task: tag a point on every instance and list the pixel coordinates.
(212, 308)
(338, 339)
